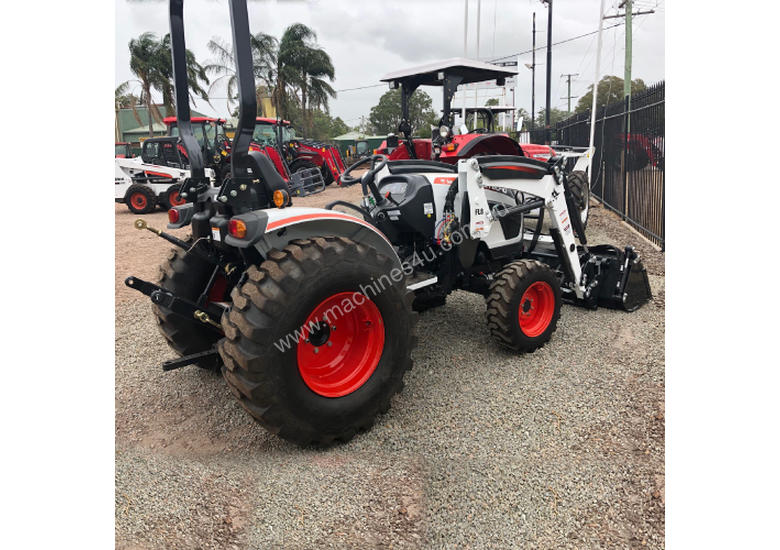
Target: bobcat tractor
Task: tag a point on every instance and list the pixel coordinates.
(309, 313)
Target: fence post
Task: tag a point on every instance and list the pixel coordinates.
(625, 157)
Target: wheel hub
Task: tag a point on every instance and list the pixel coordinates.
(320, 335)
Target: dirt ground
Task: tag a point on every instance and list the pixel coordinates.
(562, 448)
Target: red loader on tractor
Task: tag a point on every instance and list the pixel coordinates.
(302, 153)
(216, 149)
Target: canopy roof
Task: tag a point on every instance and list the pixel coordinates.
(491, 108)
(469, 69)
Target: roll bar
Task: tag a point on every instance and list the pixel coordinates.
(182, 90)
(239, 23)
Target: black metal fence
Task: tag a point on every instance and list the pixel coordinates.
(628, 166)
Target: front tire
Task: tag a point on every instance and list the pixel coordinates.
(140, 199)
(580, 189)
(306, 375)
(524, 305)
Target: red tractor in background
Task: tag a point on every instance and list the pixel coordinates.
(445, 145)
(300, 153)
(216, 148)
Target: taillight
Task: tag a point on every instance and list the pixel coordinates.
(449, 147)
(173, 215)
(280, 198)
(237, 228)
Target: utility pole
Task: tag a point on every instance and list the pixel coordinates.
(465, 52)
(568, 95)
(595, 94)
(549, 67)
(629, 15)
(627, 70)
(476, 85)
(533, 73)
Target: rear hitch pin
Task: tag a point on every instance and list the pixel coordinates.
(203, 317)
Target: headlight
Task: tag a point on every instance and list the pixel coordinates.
(444, 131)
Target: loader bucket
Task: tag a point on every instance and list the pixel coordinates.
(619, 278)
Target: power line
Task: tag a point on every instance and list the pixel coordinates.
(362, 87)
(556, 43)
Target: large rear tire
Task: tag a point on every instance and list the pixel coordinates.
(308, 372)
(186, 274)
(524, 305)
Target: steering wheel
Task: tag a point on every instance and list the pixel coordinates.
(346, 178)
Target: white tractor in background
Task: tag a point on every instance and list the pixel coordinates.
(153, 178)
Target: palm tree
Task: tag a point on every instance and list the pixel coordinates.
(315, 91)
(195, 74)
(150, 61)
(302, 67)
(145, 63)
(224, 67)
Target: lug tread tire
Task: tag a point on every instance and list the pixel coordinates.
(181, 273)
(507, 288)
(580, 188)
(151, 199)
(252, 326)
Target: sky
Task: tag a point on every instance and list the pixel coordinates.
(371, 38)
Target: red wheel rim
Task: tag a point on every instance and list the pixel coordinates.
(175, 199)
(536, 309)
(138, 200)
(340, 349)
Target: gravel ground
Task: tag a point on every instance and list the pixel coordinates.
(563, 448)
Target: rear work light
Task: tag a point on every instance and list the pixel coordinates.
(237, 228)
(173, 215)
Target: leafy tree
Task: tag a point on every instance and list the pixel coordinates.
(326, 128)
(610, 91)
(556, 116)
(386, 114)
